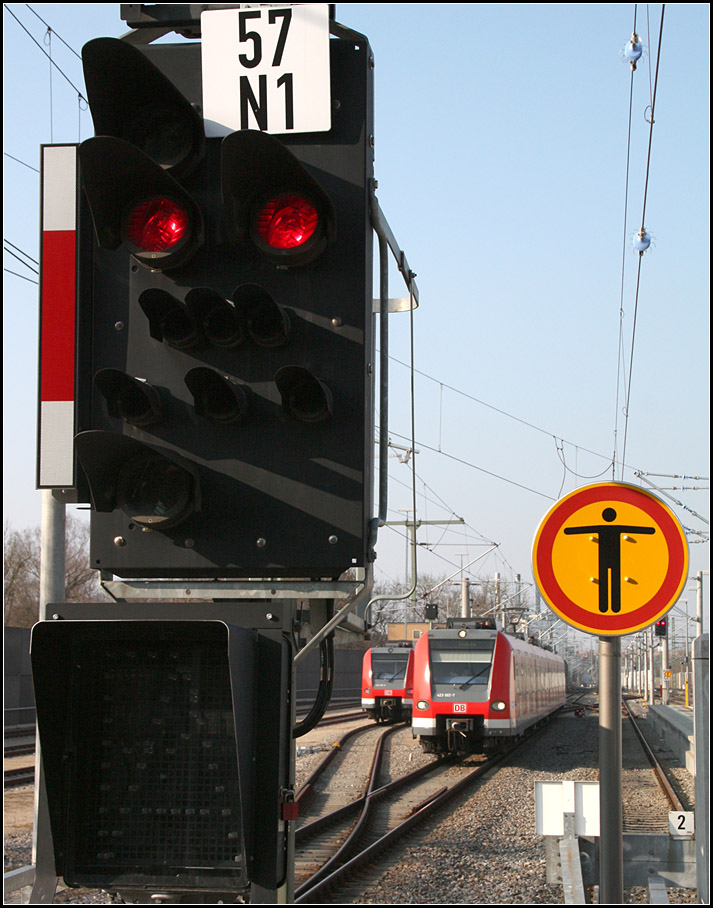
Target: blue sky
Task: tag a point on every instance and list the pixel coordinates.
(501, 153)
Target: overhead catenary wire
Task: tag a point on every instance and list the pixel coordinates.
(24, 163)
(52, 62)
(500, 411)
(620, 354)
(474, 466)
(643, 221)
(49, 28)
(23, 258)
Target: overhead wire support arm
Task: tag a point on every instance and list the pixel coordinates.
(670, 497)
(381, 226)
(387, 241)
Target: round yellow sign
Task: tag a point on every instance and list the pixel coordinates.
(610, 558)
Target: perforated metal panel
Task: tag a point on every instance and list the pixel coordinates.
(149, 787)
(170, 797)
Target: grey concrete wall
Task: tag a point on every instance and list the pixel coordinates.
(19, 700)
(347, 674)
(675, 728)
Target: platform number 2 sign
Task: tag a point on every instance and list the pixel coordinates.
(681, 823)
(266, 68)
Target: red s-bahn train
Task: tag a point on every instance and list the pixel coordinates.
(386, 682)
(476, 689)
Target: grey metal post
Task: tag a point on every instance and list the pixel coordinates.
(611, 840)
(464, 598)
(699, 602)
(52, 583)
(688, 661)
(664, 669)
(631, 667)
(701, 731)
(52, 557)
(651, 678)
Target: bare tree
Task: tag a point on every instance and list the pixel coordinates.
(484, 597)
(21, 553)
(429, 590)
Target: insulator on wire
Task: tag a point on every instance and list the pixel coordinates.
(642, 240)
(633, 51)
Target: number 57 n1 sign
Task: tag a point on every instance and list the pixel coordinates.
(266, 68)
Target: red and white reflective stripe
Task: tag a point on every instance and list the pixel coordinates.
(58, 290)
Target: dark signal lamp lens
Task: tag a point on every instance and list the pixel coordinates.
(287, 221)
(163, 132)
(154, 491)
(157, 225)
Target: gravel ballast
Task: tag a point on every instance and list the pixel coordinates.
(485, 851)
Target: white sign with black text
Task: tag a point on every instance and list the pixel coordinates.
(266, 68)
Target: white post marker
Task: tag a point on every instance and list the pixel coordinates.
(266, 68)
(555, 799)
(58, 287)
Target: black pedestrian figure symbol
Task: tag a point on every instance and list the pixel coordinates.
(609, 556)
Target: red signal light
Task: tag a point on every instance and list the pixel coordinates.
(287, 221)
(157, 225)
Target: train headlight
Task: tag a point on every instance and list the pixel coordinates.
(423, 704)
(367, 690)
(498, 705)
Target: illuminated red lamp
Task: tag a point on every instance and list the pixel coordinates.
(287, 221)
(157, 225)
(288, 228)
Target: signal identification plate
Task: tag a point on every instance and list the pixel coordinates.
(266, 68)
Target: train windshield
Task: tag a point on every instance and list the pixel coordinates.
(389, 669)
(461, 662)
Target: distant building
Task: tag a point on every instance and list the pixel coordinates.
(406, 632)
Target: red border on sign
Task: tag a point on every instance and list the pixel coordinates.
(645, 614)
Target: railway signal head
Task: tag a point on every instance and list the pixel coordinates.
(661, 627)
(225, 408)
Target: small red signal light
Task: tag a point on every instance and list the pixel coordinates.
(287, 221)
(157, 225)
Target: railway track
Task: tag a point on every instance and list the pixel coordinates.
(647, 796)
(19, 750)
(365, 789)
(338, 839)
(21, 775)
(25, 775)
(336, 848)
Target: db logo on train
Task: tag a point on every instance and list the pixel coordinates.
(459, 707)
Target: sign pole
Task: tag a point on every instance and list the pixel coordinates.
(610, 559)
(611, 841)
